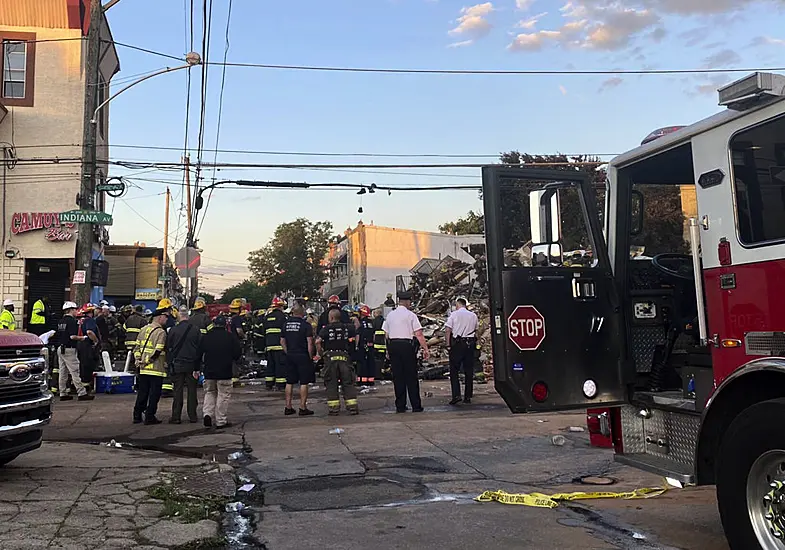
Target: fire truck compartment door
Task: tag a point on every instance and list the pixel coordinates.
(555, 315)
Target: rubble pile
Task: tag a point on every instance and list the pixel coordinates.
(434, 293)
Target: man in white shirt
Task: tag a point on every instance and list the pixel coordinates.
(402, 327)
(461, 336)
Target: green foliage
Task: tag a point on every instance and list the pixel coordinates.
(259, 296)
(471, 224)
(186, 508)
(292, 260)
(208, 298)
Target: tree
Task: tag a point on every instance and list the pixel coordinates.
(472, 224)
(208, 298)
(257, 295)
(292, 260)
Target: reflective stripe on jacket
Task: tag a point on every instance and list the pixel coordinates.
(38, 317)
(152, 339)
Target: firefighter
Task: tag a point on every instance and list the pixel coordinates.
(68, 337)
(199, 318)
(39, 316)
(379, 342)
(7, 319)
(335, 342)
(366, 358)
(257, 329)
(333, 302)
(274, 321)
(150, 356)
(133, 324)
(88, 348)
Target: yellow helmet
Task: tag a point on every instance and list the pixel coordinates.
(165, 303)
(199, 303)
(236, 304)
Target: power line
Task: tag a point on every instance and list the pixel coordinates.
(132, 164)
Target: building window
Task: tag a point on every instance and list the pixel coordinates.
(17, 65)
(759, 178)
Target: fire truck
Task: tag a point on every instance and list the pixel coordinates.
(673, 316)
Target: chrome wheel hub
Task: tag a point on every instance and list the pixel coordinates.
(766, 499)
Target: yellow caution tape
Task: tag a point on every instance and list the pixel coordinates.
(539, 500)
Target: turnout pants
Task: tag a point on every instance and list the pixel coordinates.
(69, 364)
(367, 364)
(462, 360)
(184, 381)
(148, 393)
(216, 400)
(403, 363)
(275, 375)
(338, 372)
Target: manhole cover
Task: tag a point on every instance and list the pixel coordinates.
(337, 493)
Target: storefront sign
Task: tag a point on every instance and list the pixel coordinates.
(22, 222)
(86, 216)
(147, 293)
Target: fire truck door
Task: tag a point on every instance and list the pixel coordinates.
(554, 307)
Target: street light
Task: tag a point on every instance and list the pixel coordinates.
(191, 60)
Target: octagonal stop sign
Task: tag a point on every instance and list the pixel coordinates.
(526, 328)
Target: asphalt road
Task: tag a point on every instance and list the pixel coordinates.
(409, 480)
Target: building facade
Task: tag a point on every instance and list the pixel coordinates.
(42, 63)
(364, 265)
(140, 275)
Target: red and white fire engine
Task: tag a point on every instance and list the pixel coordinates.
(673, 323)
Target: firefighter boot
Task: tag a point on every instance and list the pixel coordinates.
(331, 380)
(346, 372)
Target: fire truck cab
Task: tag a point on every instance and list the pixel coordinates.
(660, 295)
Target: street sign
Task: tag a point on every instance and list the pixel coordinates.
(79, 277)
(187, 260)
(114, 186)
(86, 216)
(526, 328)
(147, 294)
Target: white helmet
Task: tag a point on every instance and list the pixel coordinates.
(69, 305)
(103, 303)
(112, 309)
(8, 302)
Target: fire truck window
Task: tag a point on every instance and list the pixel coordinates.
(759, 177)
(568, 232)
(666, 209)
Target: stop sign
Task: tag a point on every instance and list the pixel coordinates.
(526, 328)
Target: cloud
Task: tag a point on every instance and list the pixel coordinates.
(708, 86)
(531, 22)
(616, 26)
(523, 5)
(613, 82)
(722, 59)
(562, 89)
(767, 41)
(533, 41)
(473, 22)
(461, 44)
(700, 7)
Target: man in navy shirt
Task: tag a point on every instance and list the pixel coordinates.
(297, 342)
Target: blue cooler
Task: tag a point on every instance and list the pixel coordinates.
(114, 382)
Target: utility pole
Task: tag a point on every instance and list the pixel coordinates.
(166, 240)
(84, 243)
(187, 164)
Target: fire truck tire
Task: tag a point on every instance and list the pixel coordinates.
(745, 467)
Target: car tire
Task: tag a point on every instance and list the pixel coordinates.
(753, 440)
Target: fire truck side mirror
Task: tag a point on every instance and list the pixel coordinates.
(636, 213)
(544, 216)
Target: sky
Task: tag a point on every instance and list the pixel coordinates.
(284, 110)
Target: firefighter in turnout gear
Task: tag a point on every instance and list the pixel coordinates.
(150, 357)
(274, 322)
(167, 389)
(133, 324)
(336, 342)
(333, 302)
(258, 331)
(379, 342)
(199, 318)
(366, 356)
(236, 326)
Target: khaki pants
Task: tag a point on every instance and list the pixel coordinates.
(216, 400)
(69, 364)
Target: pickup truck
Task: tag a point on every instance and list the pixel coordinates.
(25, 398)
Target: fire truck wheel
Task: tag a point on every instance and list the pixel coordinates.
(751, 478)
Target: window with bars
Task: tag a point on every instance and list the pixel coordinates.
(14, 69)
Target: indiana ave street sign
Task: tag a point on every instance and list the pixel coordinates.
(86, 216)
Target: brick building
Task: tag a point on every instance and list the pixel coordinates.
(42, 64)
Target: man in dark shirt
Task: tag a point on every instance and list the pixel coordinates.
(184, 355)
(336, 342)
(221, 348)
(88, 348)
(297, 342)
(68, 337)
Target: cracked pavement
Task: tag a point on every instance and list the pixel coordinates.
(388, 481)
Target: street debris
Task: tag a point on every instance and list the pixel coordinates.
(539, 500)
(114, 444)
(638, 536)
(336, 431)
(247, 488)
(237, 455)
(235, 507)
(576, 429)
(558, 440)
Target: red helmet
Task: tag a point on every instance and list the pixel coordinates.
(333, 299)
(277, 302)
(365, 311)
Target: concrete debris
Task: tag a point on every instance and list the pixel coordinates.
(336, 431)
(576, 429)
(435, 293)
(558, 440)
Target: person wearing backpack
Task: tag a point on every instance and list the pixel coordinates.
(184, 353)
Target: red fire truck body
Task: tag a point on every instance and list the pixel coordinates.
(672, 334)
